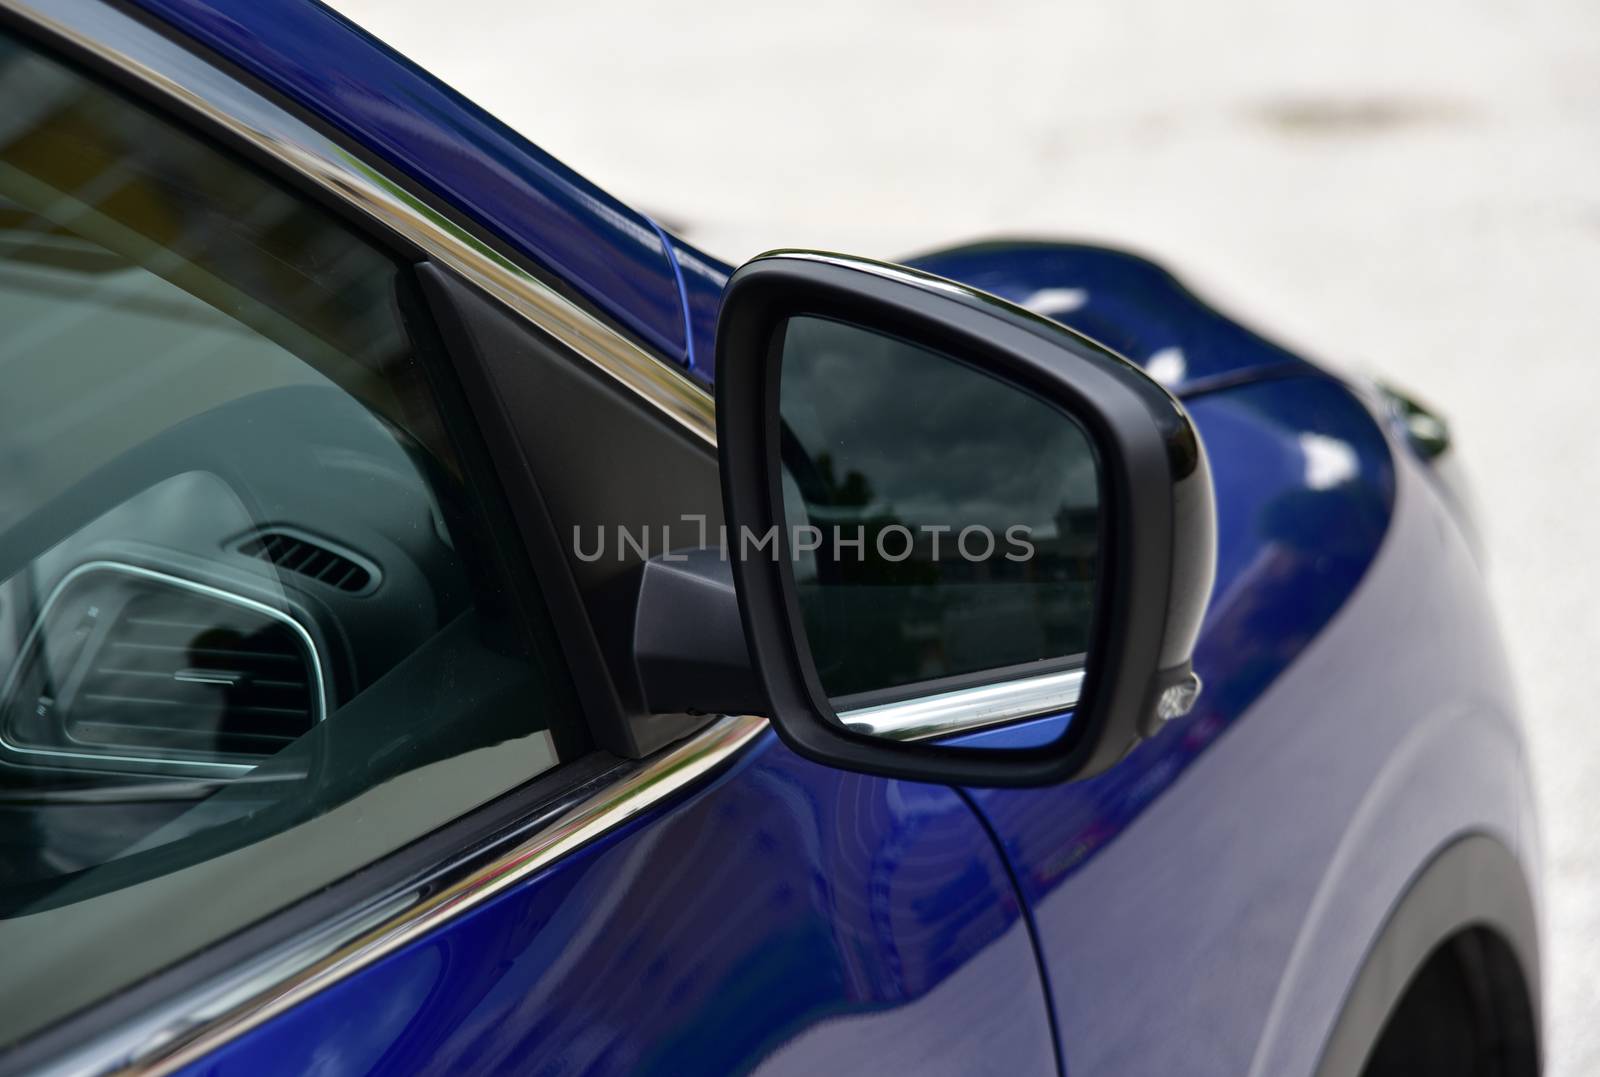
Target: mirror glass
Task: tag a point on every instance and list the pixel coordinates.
(943, 524)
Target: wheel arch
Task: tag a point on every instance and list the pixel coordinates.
(1474, 883)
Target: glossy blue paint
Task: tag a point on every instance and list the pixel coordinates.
(783, 919)
(704, 277)
(609, 254)
(1126, 302)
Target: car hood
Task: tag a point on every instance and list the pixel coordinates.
(1126, 302)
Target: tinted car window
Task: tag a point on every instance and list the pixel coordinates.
(245, 646)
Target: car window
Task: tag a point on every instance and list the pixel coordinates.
(246, 643)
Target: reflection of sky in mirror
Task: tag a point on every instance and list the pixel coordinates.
(937, 441)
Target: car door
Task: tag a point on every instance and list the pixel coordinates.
(311, 758)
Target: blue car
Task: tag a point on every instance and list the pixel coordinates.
(449, 624)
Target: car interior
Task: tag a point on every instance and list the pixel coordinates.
(233, 588)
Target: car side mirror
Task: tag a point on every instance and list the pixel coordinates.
(945, 513)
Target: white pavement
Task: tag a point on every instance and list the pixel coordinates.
(1410, 188)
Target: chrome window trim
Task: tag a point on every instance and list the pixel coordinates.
(187, 1028)
(179, 582)
(965, 710)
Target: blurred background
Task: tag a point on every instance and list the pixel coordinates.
(1406, 189)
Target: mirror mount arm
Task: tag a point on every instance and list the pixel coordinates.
(688, 639)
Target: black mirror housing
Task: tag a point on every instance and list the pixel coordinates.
(1156, 518)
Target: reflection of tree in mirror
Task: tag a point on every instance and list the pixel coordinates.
(854, 490)
(1070, 554)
